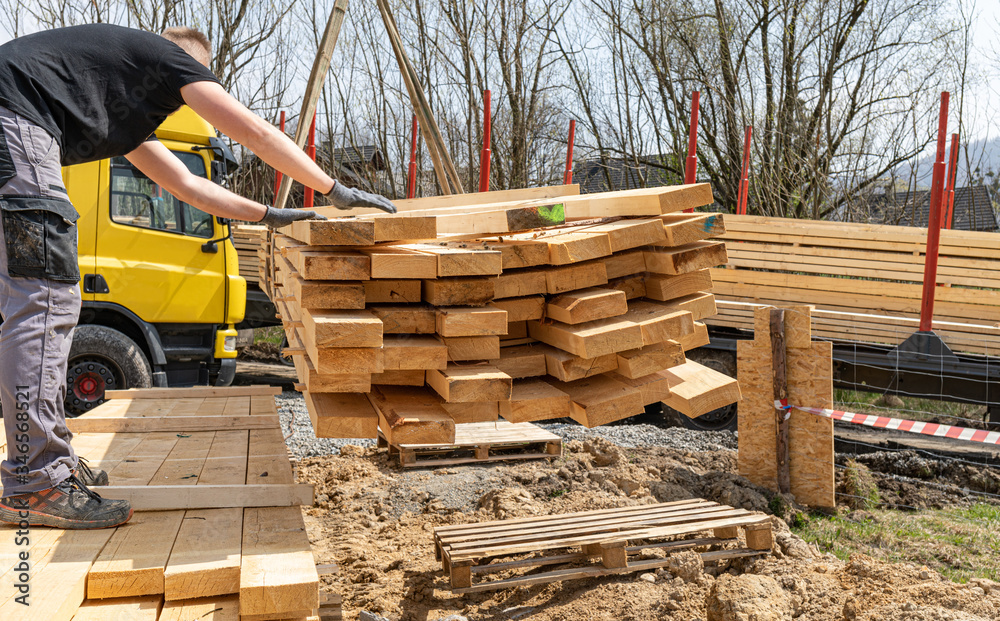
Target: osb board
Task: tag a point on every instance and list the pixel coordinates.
(810, 382)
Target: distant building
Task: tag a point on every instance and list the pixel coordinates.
(625, 174)
(974, 209)
(358, 167)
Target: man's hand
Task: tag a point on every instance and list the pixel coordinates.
(277, 218)
(344, 197)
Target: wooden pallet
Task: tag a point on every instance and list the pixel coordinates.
(481, 442)
(595, 543)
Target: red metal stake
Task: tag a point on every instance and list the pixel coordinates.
(691, 166)
(568, 175)
(741, 201)
(934, 225)
(277, 173)
(411, 183)
(308, 202)
(484, 158)
(949, 218)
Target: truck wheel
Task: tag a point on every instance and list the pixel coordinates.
(102, 359)
(722, 419)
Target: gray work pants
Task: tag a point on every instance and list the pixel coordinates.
(39, 303)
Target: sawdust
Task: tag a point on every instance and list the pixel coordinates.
(375, 521)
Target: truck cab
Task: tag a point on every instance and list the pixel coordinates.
(160, 279)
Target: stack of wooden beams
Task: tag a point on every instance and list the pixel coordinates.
(529, 308)
(218, 531)
(246, 240)
(865, 281)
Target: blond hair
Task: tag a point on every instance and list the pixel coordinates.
(192, 41)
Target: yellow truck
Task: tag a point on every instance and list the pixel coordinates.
(160, 282)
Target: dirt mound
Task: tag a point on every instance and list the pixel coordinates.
(376, 521)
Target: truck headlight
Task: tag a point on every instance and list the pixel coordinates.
(230, 343)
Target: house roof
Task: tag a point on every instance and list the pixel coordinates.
(974, 209)
(624, 174)
(367, 154)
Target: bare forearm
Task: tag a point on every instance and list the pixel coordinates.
(218, 201)
(280, 152)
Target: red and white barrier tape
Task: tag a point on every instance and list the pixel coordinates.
(898, 424)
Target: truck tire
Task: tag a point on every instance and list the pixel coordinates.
(101, 359)
(722, 419)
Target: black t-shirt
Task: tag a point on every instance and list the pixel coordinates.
(99, 89)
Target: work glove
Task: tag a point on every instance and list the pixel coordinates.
(344, 197)
(277, 218)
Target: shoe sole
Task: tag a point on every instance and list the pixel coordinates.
(12, 516)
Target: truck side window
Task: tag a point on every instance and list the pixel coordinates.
(137, 201)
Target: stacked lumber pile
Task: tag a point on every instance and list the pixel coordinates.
(218, 531)
(572, 305)
(865, 281)
(246, 239)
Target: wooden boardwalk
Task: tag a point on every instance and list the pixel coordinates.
(218, 532)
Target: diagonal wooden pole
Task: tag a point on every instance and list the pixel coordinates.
(444, 167)
(314, 88)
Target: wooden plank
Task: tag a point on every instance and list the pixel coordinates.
(684, 259)
(401, 227)
(576, 276)
(414, 352)
(225, 608)
(461, 260)
(516, 331)
(173, 497)
(696, 389)
(700, 305)
(336, 232)
(394, 262)
(330, 382)
(412, 416)
(683, 229)
(60, 560)
(472, 384)
(519, 283)
(627, 234)
(600, 400)
(502, 219)
(698, 338)
(406, 319)
(653, 388)
(392, 291)
(98, 424)
(460, 321)
(315, 265)
(632, 286)
(133, 561)
(348, 415)
(322, 294)
(458, 291)
(664, 288)
(483, 198)
(522, 361)
(342, 328)
(520, 253)
(278, 572)
(640, 362)
(193, 392)
(468, 413)
(533, 400)
(398, 378)
(585, 305)
(569, 245)
(625, 264)
(468, 348)
(121, 609)
(345, 360)
(567, 367)
(522, 308)
(591, 339)
(658, 322)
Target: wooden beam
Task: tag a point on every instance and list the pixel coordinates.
(567, 367)
(342, 328)
(522, 308)
(173, 497)
(522, 361)
(412, 416)
(193, 392)
(347, 415)
(682, 229)
(640, 362)
(458, 291)
(463, 321)
(100, 424)
(585, 305)
(467, 348)
(684, 259)
(520, 283)
(392, 291)
(534, 399)
(664, 288)
(472, 384)
(413, 352)
(278, 571)
(406, 319)
(600, 400)
(395, 262)
(576, 276)
(133, 561)
(696, 389)
(591, 339)
(315, 265)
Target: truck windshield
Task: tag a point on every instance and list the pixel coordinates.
(137, 201)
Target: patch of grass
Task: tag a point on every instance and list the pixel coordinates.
(912, 408)
(556, 493)
(961, 543)
(270, 334)
(861, 488)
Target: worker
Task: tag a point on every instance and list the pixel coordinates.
(75, 95)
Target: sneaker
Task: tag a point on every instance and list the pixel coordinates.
(91, 477)
(69, 505)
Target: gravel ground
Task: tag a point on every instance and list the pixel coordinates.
(302, 443)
